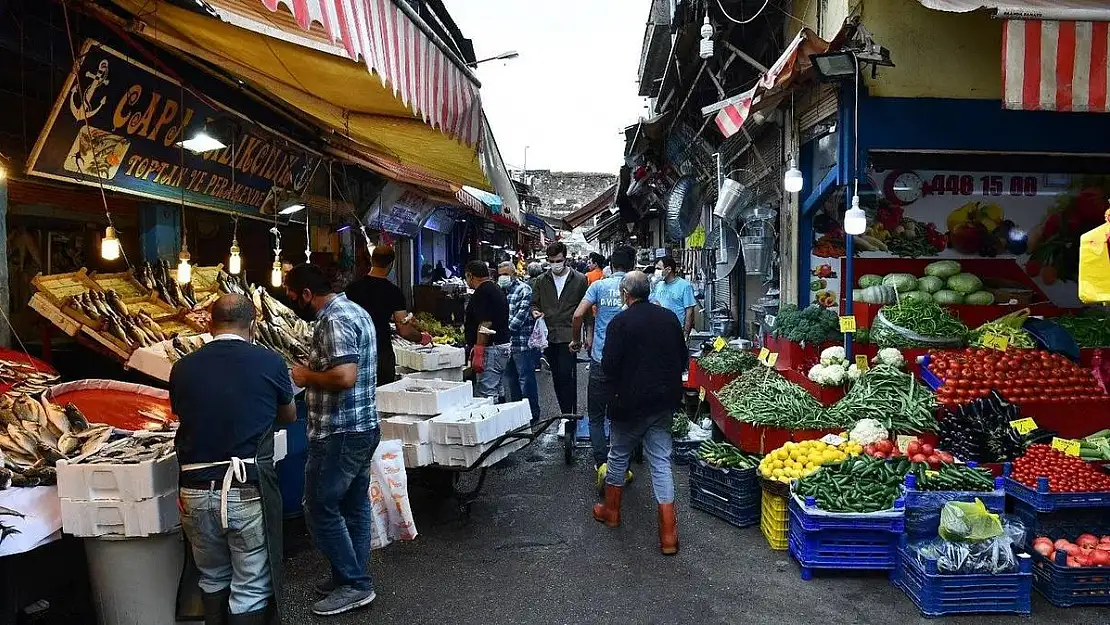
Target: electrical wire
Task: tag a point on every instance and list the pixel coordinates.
(746, 21)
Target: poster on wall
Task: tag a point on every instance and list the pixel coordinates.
(1033, 220)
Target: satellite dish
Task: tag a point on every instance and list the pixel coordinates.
(683, 208)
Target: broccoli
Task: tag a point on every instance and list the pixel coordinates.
(812, 325)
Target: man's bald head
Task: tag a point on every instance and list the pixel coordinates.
(232, 313)
(636, 285)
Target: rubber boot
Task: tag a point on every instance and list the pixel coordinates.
(265, 616)
(668, 529)
(609, 512)
(216, 608)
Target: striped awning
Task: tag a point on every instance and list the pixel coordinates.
(1056, 65)
(433, 82)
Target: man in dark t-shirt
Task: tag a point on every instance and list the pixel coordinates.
(384, 302)
(487, 330)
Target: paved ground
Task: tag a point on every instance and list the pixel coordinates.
(531, 553)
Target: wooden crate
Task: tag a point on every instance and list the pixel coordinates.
(58, 287)
(178, 325)
(204, 279)
(152, 305)
(109, 342)
(43, 306)
(123, 283)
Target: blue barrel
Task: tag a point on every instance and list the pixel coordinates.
(291, 470)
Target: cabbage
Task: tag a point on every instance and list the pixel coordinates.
(904, 282)
(943, 269)
(948, 297)
(965, 283)
(930, 284)
(869, 279)
(917, 296)
(980, 298)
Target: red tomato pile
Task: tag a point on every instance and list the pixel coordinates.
(1087, 550)
(916, 451)
(1066, 474)
(1019, 375)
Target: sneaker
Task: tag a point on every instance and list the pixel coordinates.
(324, 586)
(343, 599)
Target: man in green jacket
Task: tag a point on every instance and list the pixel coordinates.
(555, 296)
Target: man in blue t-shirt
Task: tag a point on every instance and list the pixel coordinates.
(674, 293)
(605, 295)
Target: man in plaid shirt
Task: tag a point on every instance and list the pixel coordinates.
(343, 434)
(520, 371)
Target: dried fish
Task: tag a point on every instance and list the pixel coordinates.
(56, 417)
(20, 437)
(67, 443)
(95, 442)
(77, 420)
(49, 453)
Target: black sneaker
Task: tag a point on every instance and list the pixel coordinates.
(343, 599)
(324, 586)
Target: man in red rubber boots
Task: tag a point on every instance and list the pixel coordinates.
(644, 389)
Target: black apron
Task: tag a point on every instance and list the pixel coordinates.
(189, 605)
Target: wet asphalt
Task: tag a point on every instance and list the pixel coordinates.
(529, 552)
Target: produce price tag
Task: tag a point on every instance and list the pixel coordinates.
(701, 394)
(995, 341)
(772, 358)
(848, 324)
(833, 439)
(1066, 445)
(1024, 426)
(861, 363)
(719, 344)
(763, 353)
(904, 442)
(769, 320)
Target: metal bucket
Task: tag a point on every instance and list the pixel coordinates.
(757, 253)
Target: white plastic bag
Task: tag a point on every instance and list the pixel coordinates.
(389, 496)
(538, 339)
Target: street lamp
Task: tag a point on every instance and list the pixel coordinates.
(504, 56)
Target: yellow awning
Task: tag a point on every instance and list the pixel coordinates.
(339, 94)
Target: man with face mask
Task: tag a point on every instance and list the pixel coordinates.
(342, 435)
(674, 293)
(555, 296)
(520, 370)
(486, 327)
(643, 360)
(384, 302)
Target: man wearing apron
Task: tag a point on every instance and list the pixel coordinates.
(228, 396)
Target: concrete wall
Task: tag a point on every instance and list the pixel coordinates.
(563, 192)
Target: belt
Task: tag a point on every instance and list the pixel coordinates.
(236, 470)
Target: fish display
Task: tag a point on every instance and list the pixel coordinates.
(139, 447)
(161, 278)
(24, 376)
(36, 433)
(134, 329)
(183, 346)
(280, 329)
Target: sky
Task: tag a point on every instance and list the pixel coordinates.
(572, 90)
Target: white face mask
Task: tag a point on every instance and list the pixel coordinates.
(558, 268)
(504, 281)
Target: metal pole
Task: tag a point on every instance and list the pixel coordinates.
(849, 247)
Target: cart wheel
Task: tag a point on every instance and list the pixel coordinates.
(568, 440)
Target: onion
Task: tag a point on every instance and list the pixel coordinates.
(1044, 548)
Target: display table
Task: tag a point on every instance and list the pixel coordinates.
(42, 522)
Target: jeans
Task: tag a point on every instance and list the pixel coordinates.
(596, 409)
(520, 380)
(234, 557)
(337, 503)
(488, 382)
(655, 433)
(564, 376)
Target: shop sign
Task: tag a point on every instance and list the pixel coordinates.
(117, 122)
(442, 220)
(400, 210)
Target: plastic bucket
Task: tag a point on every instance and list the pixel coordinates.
(134, 580)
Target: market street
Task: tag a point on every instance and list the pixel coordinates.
(531, 553)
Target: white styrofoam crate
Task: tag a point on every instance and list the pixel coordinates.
(409, 396)
(454, 374)
(467, 455)
(409, 429)
(430, 358)
(117, 482)
(91, 519)
(482, 424)
(418, 455)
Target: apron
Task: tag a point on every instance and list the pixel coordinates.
(188, 592)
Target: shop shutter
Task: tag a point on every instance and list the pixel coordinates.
(823, 105)
(72, 197)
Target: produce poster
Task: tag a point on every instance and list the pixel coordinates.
(1033, 219)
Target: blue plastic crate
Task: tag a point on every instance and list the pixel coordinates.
(1065, 587)
(727, 482)
(871, 550)
(1068, 523)
(939, 594)
(928, 376)
(811, 518)
(923, 507)
(739, 512)
(1044, 501)
(683, 451)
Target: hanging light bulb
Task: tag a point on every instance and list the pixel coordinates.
(275, 273)
(705, 49)
(184, 269)
(855, 220)
(109, 245)
(793, 180)
(234, 262)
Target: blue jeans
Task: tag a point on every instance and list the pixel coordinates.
(655, 433)
(337, 503)
(488, 382)
(596, 409)
(520, 380)
(235, 557)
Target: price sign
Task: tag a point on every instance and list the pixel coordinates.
(1066, 445)
(995, 341)
(904, 441)
(1024, 426)
(848, 324)
(769, 320)
(862, 364)
(833, 439)
(772, 358)
(763, 354)
(701, 394)
(719, 344)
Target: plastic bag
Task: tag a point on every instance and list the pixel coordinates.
(990, 557)
(389, 496)
(538, 340)
(897, 335)
(1094, 265)
(968, 522)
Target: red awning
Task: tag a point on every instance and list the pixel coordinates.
(1055, 66)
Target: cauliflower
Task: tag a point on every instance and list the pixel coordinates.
(854, 372)
(867, 431)
(815, 372)
(889, 356)
(833, 355)
(833, 375)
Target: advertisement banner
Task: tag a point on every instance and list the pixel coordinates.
(119, 123)
(400, 210)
